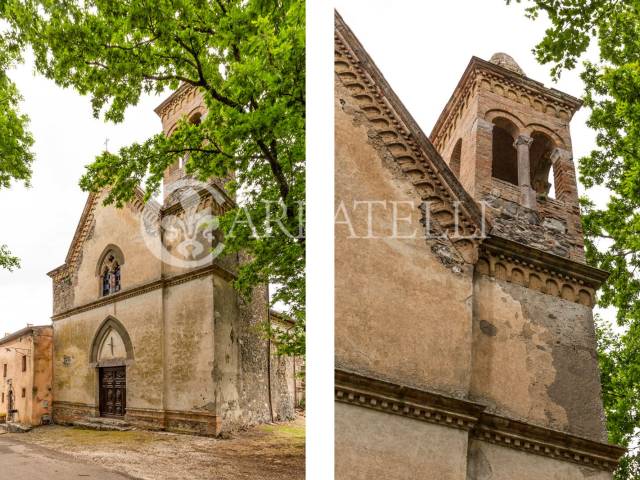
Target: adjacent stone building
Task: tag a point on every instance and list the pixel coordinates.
(148, 328)
(465, 350)
(25, 375)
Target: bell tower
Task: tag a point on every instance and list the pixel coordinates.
(506, 137)
(187, 102)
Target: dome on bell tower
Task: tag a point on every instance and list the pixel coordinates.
(506, 61)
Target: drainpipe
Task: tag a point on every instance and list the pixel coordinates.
(269, 354)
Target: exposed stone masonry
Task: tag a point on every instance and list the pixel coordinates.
(529, 227)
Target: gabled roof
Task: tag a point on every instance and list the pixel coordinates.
(405, 140)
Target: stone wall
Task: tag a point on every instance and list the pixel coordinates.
(534, 358)
(491, 462)
(370, 444)
(392, 294)
(530, 227)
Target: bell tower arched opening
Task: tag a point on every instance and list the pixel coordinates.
(542, 180)
(504, 158)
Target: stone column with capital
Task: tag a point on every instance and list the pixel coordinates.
(527, 195)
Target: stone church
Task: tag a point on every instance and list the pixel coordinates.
(148, 329)
(468, 351)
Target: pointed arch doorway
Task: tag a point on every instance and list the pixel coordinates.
(111, 352)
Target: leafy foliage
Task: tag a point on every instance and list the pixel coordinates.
(612, 92)
(247, 59)
(16, 156)
(620, 375)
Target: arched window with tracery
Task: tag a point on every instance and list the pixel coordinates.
(504, 164)
(109, 269)
(106, 276)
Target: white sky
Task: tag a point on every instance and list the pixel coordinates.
(423, 47)
(38, 223)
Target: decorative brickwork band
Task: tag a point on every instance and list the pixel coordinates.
(401, 400)
(354, 389)
(515, 263)
(389, 121)
(503, 82)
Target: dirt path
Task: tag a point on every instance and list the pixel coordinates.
(266, 452)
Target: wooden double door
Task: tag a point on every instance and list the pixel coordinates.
(113, 391)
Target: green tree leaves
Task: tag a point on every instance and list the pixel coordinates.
(247, 60)
(16, 156)
(612, 92)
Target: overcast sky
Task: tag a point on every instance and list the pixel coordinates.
(38, 223)
(422, 48)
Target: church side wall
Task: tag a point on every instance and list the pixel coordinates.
(371, 444)
(488, 461)
(543, 348)
(241, 354)
(392, 294)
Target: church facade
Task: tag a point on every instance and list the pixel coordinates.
(148, 329)
(467, 350)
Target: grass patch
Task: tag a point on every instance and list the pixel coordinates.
(287, 431)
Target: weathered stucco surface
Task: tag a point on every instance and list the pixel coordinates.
(370, 444)
(392, 294)
(36, 381)
(76, 380)
(534, 358)
(491, 462)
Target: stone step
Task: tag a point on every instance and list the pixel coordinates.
(108, 421)
(102, 424)
(12, 427)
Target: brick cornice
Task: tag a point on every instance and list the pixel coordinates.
(174, 100)
(539, 270)
(402, 400)
(388, 397)
(404, 140)
(479, 69)
(146, 288)
(579, 272)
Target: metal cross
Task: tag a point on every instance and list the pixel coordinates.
(106, 144)
(111, 345)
